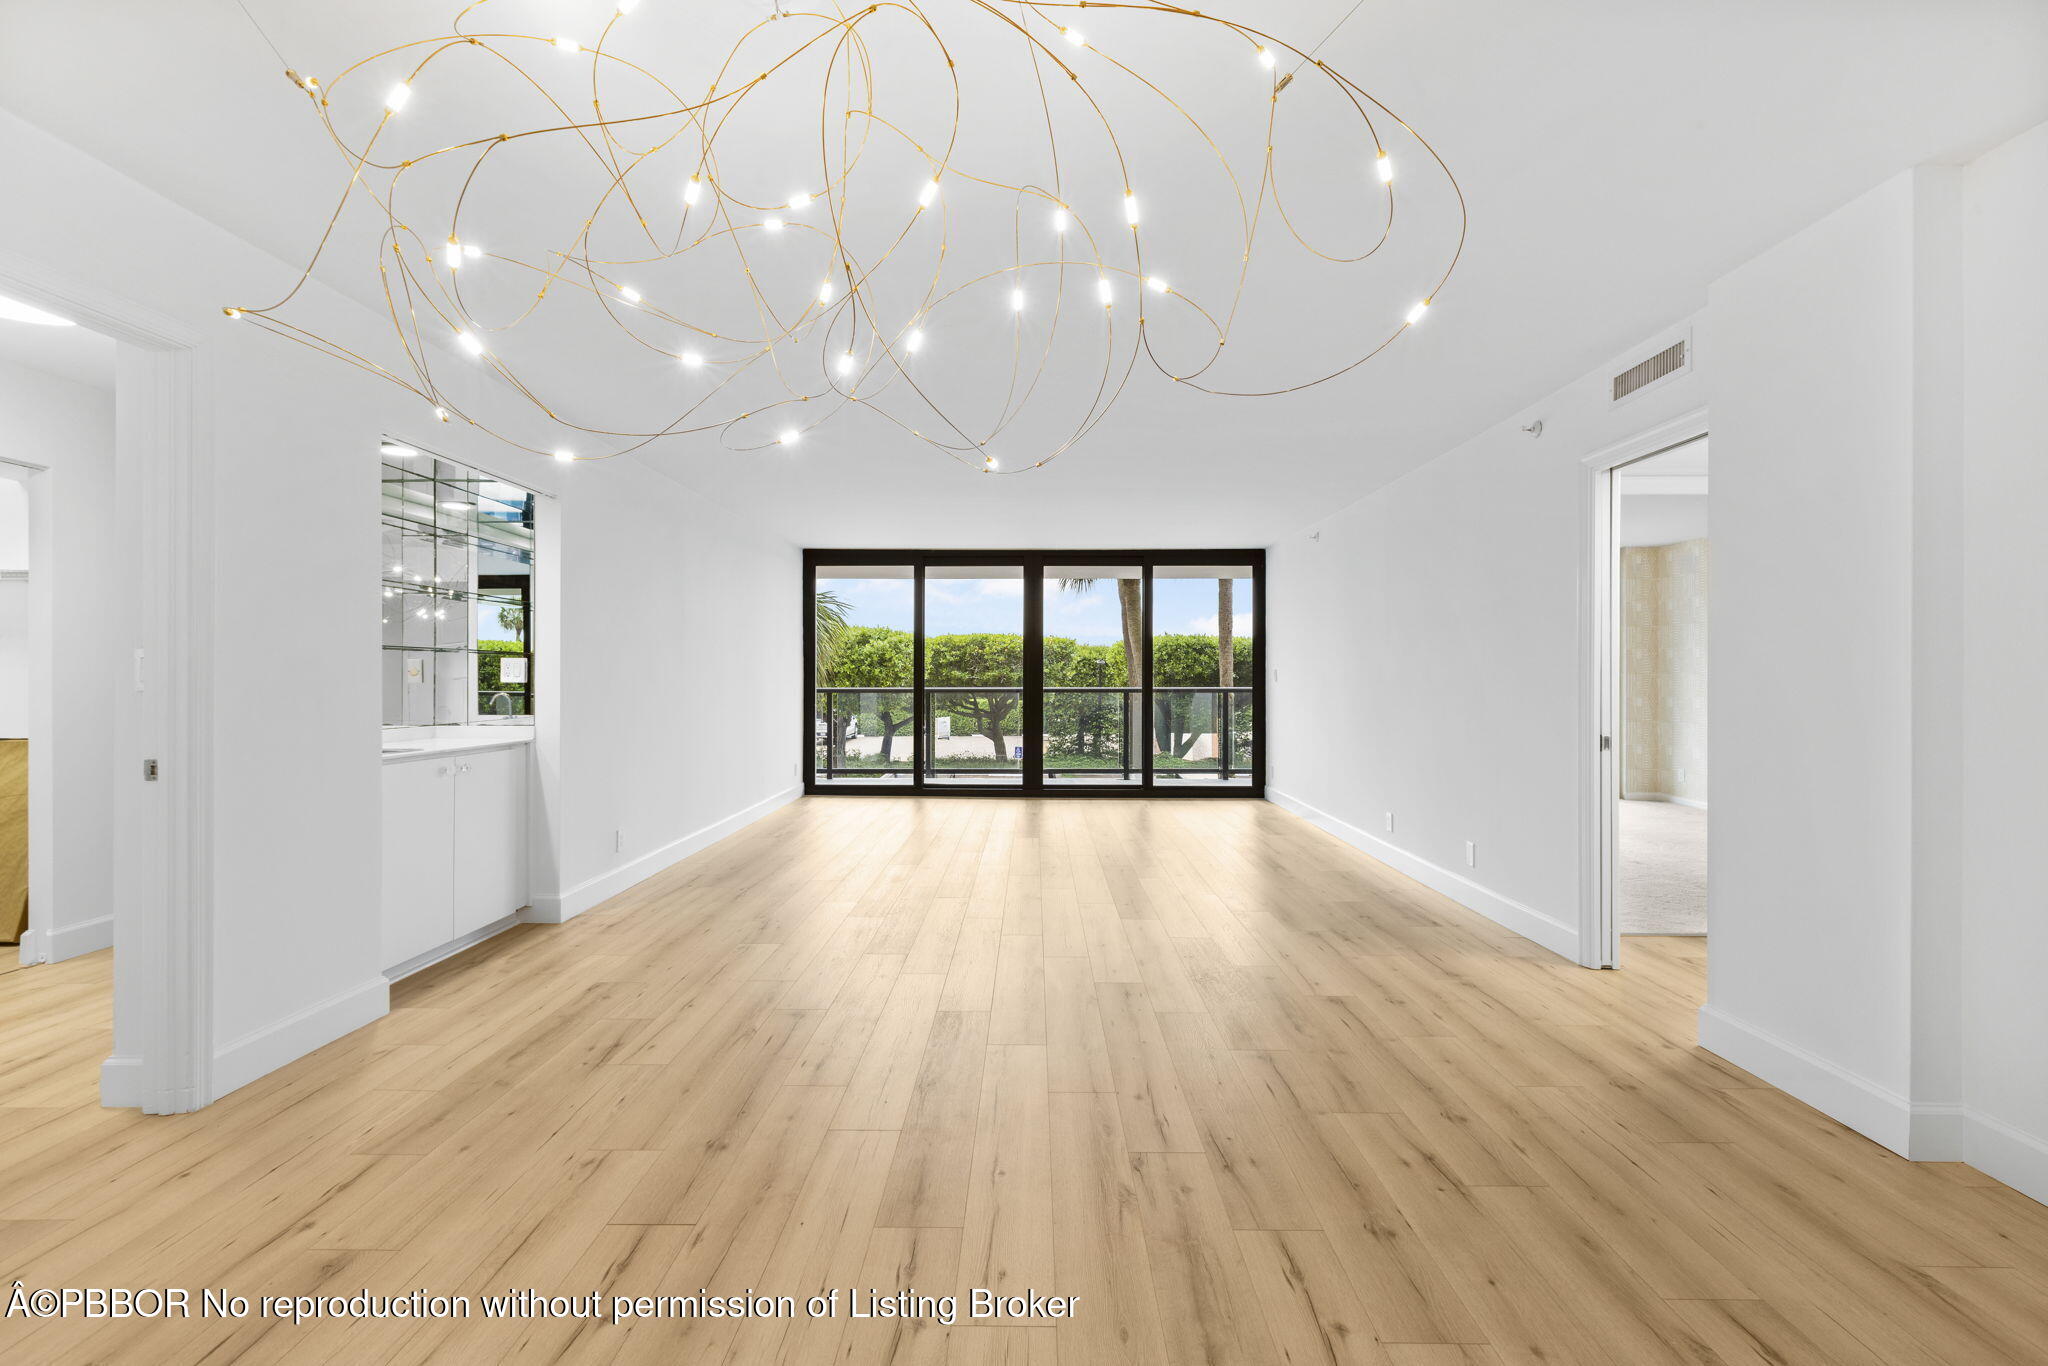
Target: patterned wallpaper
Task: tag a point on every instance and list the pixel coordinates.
(1664, 668)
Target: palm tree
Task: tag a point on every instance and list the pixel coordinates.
(828, 627)
(1130, 600)
(1226, 633)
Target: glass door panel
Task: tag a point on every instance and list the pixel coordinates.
(973, 675)
(1094, 631)
(863, 723)
(1202, 674)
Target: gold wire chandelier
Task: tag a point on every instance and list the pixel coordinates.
(666, 199)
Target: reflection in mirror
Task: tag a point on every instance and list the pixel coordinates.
(457, 593)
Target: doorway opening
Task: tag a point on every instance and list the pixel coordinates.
(60, 651)
(1665, 578)
(1653, 552)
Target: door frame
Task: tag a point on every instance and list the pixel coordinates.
(1031, 780)
(163, 905)
(1600, 677)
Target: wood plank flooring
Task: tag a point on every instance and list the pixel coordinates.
(1250, 1096)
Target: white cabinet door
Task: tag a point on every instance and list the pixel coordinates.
(490, 837)
(419, 864)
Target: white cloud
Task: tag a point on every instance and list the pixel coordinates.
(1240, 624)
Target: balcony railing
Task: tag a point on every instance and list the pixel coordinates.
(1090, 734)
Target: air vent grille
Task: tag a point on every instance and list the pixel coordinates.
(1665, 362)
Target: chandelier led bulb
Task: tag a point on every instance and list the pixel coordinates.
(730, 276)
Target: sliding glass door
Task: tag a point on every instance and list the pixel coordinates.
(1094, 653)
(973, 675)
(1203, 669)
(861, 618)
(1087, 673)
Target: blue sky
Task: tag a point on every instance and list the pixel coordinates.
(1182, 607)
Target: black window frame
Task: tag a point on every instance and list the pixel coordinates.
(1031, 779)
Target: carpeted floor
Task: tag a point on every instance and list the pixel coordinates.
(1660, 872)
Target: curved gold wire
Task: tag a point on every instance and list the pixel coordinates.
(862, 357)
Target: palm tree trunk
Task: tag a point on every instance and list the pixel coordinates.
(1130, 596)
(1226, 633)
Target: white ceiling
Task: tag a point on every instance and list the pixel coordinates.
(1664, 498)
(1616, 159)
(73, 353)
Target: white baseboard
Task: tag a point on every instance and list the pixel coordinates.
(70, 941)
(121, 1082)
(40, 945)
(556, 907)
(1877, 1112)
(1552, 934)
(1663, 797)
(264, 1050)
(450, 949)
(1958, 1133)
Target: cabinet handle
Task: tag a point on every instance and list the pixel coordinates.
(441, 772)
(462, 768)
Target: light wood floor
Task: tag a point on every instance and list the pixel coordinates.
(1250, 1096)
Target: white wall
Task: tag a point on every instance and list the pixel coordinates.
(682, 681)
(1662, 518)
(2004, 931)
(68, 652)
(1427, 651)
(294, 741)
(1878, 886)
(1810, 886)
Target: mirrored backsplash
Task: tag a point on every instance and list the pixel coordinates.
(457, 593)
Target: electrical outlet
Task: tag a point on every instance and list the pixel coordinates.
(1471, 854)
(1390, 822)
(618, 841)
(1681, 775)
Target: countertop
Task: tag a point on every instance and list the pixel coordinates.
(402, 744)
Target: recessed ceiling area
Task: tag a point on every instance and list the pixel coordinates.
(1614, 163)
(68, 352)
(1664, 499)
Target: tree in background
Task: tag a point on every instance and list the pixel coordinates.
(870, 657)
(829, 624)
(1180, 719)
(988, 660)
(1226, 632)
(1130, 600)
